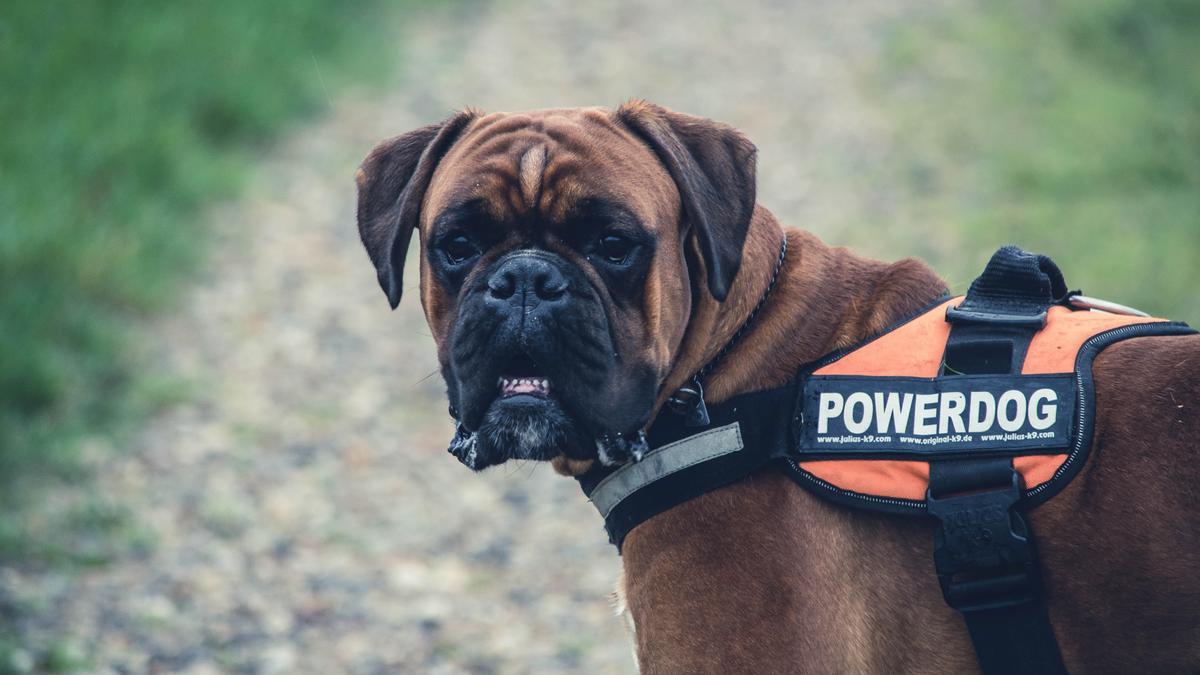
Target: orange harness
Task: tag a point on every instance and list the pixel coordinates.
(917, 349)
(973, 412)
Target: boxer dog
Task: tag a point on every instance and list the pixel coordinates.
(580, 264)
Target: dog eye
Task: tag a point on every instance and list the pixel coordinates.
(615, 248)
(459, 249)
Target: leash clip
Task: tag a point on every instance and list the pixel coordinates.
(688, 401)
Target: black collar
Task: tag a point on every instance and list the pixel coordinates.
(760, 423)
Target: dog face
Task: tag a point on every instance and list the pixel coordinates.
(562, 253)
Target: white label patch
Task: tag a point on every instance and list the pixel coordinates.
(863, 415)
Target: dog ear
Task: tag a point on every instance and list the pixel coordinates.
(391, 185)
(713, 166)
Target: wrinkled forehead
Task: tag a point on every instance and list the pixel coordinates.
(545, 165)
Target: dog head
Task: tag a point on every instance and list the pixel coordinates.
(563, 252)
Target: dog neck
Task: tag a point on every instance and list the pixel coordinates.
(824, 299)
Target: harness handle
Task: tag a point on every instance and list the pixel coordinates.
(1014, 290)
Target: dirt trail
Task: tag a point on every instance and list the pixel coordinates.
(303, 514)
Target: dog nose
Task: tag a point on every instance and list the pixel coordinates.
(526, 277)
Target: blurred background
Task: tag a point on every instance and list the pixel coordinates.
(219, 452)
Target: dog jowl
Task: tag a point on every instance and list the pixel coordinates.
(554, 271)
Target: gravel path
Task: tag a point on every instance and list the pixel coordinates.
(300, 511)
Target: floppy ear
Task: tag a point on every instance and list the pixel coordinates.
(713, 166)
(391, 185)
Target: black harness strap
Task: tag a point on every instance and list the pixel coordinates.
(764, 418)
(987, 566)
(983, 551)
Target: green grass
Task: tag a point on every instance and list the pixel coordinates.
(1071, 128)
(119, 120)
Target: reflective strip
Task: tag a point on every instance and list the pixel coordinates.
(665, 461)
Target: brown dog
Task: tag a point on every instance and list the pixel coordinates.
(580, 264)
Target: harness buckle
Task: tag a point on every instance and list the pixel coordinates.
(982, 551)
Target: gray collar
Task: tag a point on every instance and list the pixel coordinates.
(662, 462)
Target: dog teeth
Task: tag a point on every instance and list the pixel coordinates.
(538, 386)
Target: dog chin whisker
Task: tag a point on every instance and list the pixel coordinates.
(524, 435)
